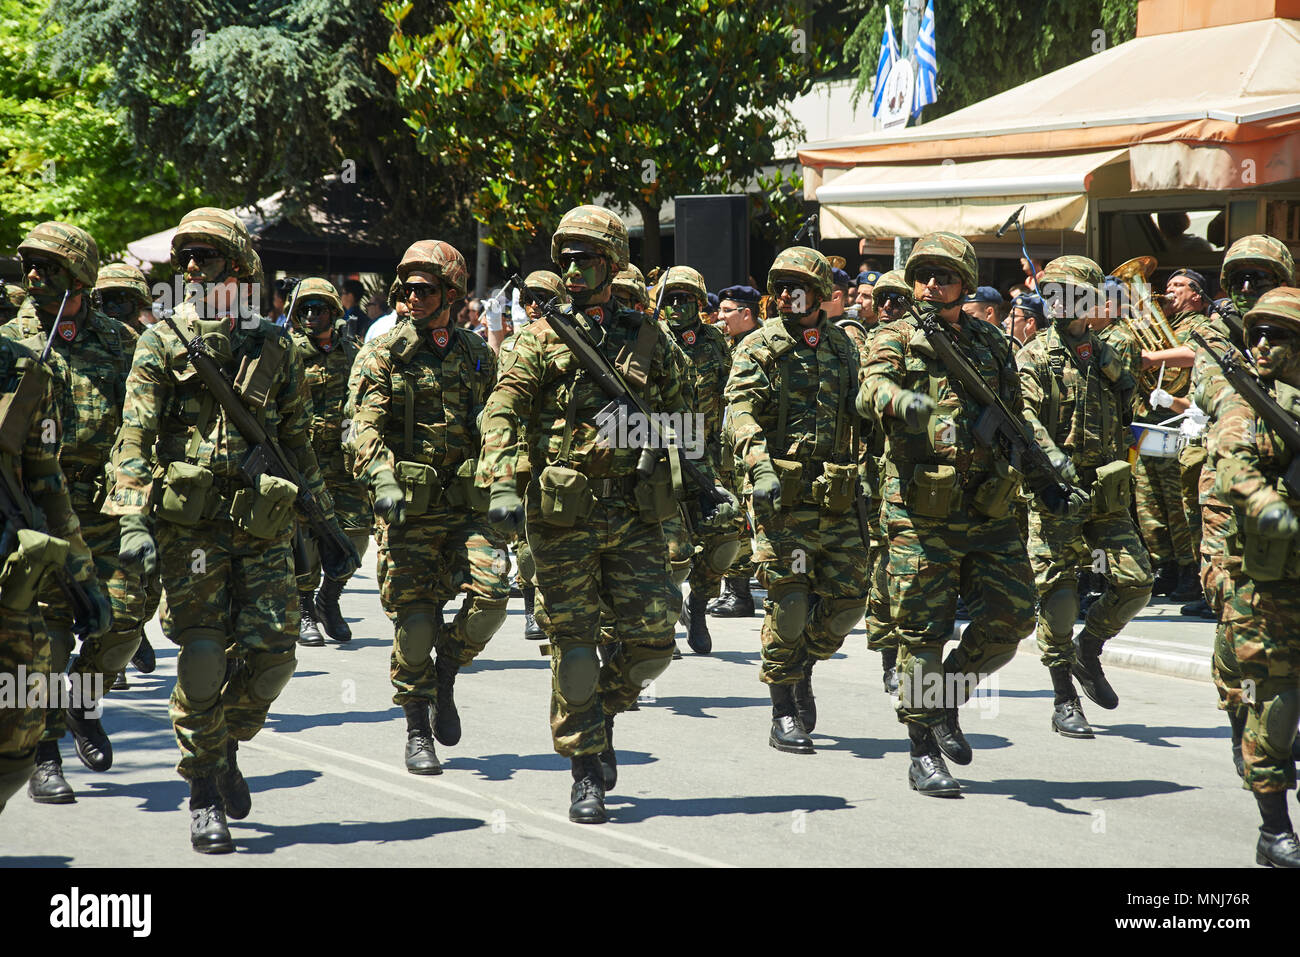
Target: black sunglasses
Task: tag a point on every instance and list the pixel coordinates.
(1276, 335)
(315, 307)
(1259, 280)
(787, 285)
(198, 256)
(420, 290)
(42, 266)
(678, 299)
(944, 277)
(582, 260)
(893, 299)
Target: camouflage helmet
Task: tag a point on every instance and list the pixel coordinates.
(803, 264)
(1280, 306)
(1261, 252)
(595, 225)
(685, 279)
(946, 249)
(436, 258)
(317, 288)
(631, 281)
(547, 280)
(891, 281)
(1078, 271)
(126, 278)
(223, 230)
(72, 247)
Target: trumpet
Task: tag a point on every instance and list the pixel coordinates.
(1146, 320)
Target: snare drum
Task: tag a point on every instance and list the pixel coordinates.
(1158, 441)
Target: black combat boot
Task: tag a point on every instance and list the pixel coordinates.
(722, 598)
(889, 667)
(1166, 580)
(1189, 584)
(120, 683)
(1067, 716)
(327, 609)
(587, 799)
(532, 630)
(1237, 720)
(446, 719)
(47, 784)
(608, 759)
(208, 831)
(232, 786)
(786, 733)
(309, 635)
(805, 705)
(1277, 845)
(1198, 609)
(1087, 668)
(421, 758)
(949, 739)
(697, 626)
(928, 774)
(90, 739)
(739, 603)
(144, 659)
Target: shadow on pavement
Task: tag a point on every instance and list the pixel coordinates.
(275, 837)
(694, 707)
(1156, 735)
(35, 862)
(735, 657)
(299, 722)
(1048, 794)
(174, 793)
(502, 767)
(626, 809)
(509, 664)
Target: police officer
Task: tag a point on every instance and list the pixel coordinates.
(221, 545)
(795, 429)
(420, 389)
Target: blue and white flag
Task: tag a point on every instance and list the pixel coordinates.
(927, 66)
(888, 55)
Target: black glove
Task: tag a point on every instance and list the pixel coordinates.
(136, 548)
(1065, 502)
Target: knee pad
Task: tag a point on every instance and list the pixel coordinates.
(526, 566)
(1277, 721)
(360, 541)
(417, 630)
(116, 656)
(61, 645)
(998, 657)
(577, 670)
(842, 614)
(485, 617)
(1060, 610)
(681, 570)
(269, 672)
(720, 554)
(1128, 602)
(645, 663)
(789, 609)
(201, 666)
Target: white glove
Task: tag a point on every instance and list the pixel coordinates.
(517, 312)
(1191, 427)
(1196, 414)
(1160, 399)
(492, 312)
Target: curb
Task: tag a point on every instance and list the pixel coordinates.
(1139, 654)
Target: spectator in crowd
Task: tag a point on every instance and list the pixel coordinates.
(711, 313)
(350, 294)
(397, 309)
(1173, 230)
(281, 290)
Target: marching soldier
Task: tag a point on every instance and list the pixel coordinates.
(420, 389)
(91, 355)
(1078, 393)
(629, 289)
(948, 509)
(594, 524)
(219, 539)
(327, 350)
(795, 429)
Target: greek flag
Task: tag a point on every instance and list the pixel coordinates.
(927, 67)
(888, 54)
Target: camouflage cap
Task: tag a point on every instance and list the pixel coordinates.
(548, 282)
(595, 225)
(686, 279)
(223, 230)
(126, 278)
(631, 281)
(947, 249)
(1259, 251)
(437, 258)
(804, 264)
(71, 246)
(316, 288)
(891, 281)
(1280, 306)
(1077, 271)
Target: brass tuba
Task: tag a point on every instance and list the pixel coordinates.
(1146, 320)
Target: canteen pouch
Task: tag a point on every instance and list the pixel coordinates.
(463, 493)
(836, 488)
(565, 496)
(185, 493)
(654, 494)
(1112, 489)
(791, 477)
(1267, 559)
(266, 511)
(998, 492)
(420, 486)
(933, 492)
(24, 571)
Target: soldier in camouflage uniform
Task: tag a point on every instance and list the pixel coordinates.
(327, 350)
(420, 389)
(222, 547)
(948, 509)
(1077, 394)
(597, 542)
(1263, 607)
(630, 291)
(11, 298)
(90, 358)
(795, 429)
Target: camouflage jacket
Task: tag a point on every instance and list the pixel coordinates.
(1077, 397)
(1117, 336)
(91, 370)
(1250, 456)
(170, 417)
(326, 374)
(709, 353)
(870, 442)
(791, 396)
(528, 413)
(414, 402)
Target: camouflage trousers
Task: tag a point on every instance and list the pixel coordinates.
(743, 566)
(931, 561)
(1059, 548)
(24, 651)
(306, 554)
(1190, 462)
(429, 560)
(1260, 621)
(880, 621)
(108, 654)
(355, 517)
(1217, 577)
(1161, 517)
(611, 564)
(802, 548)
(221, 581)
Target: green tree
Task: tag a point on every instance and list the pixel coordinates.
(547, 105)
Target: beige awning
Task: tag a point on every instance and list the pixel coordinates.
(971, 198)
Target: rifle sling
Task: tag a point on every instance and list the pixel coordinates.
(634, 366)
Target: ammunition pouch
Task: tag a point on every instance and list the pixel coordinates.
(24, 570)
(420, 487)
(1112, 489)
(1264, 559)
(565, 496)
(790, 475)
(933, 491)
(463, 493)
(836, 489)
(999, 492)
(266, 511)
(655, 498)
(186, 488)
